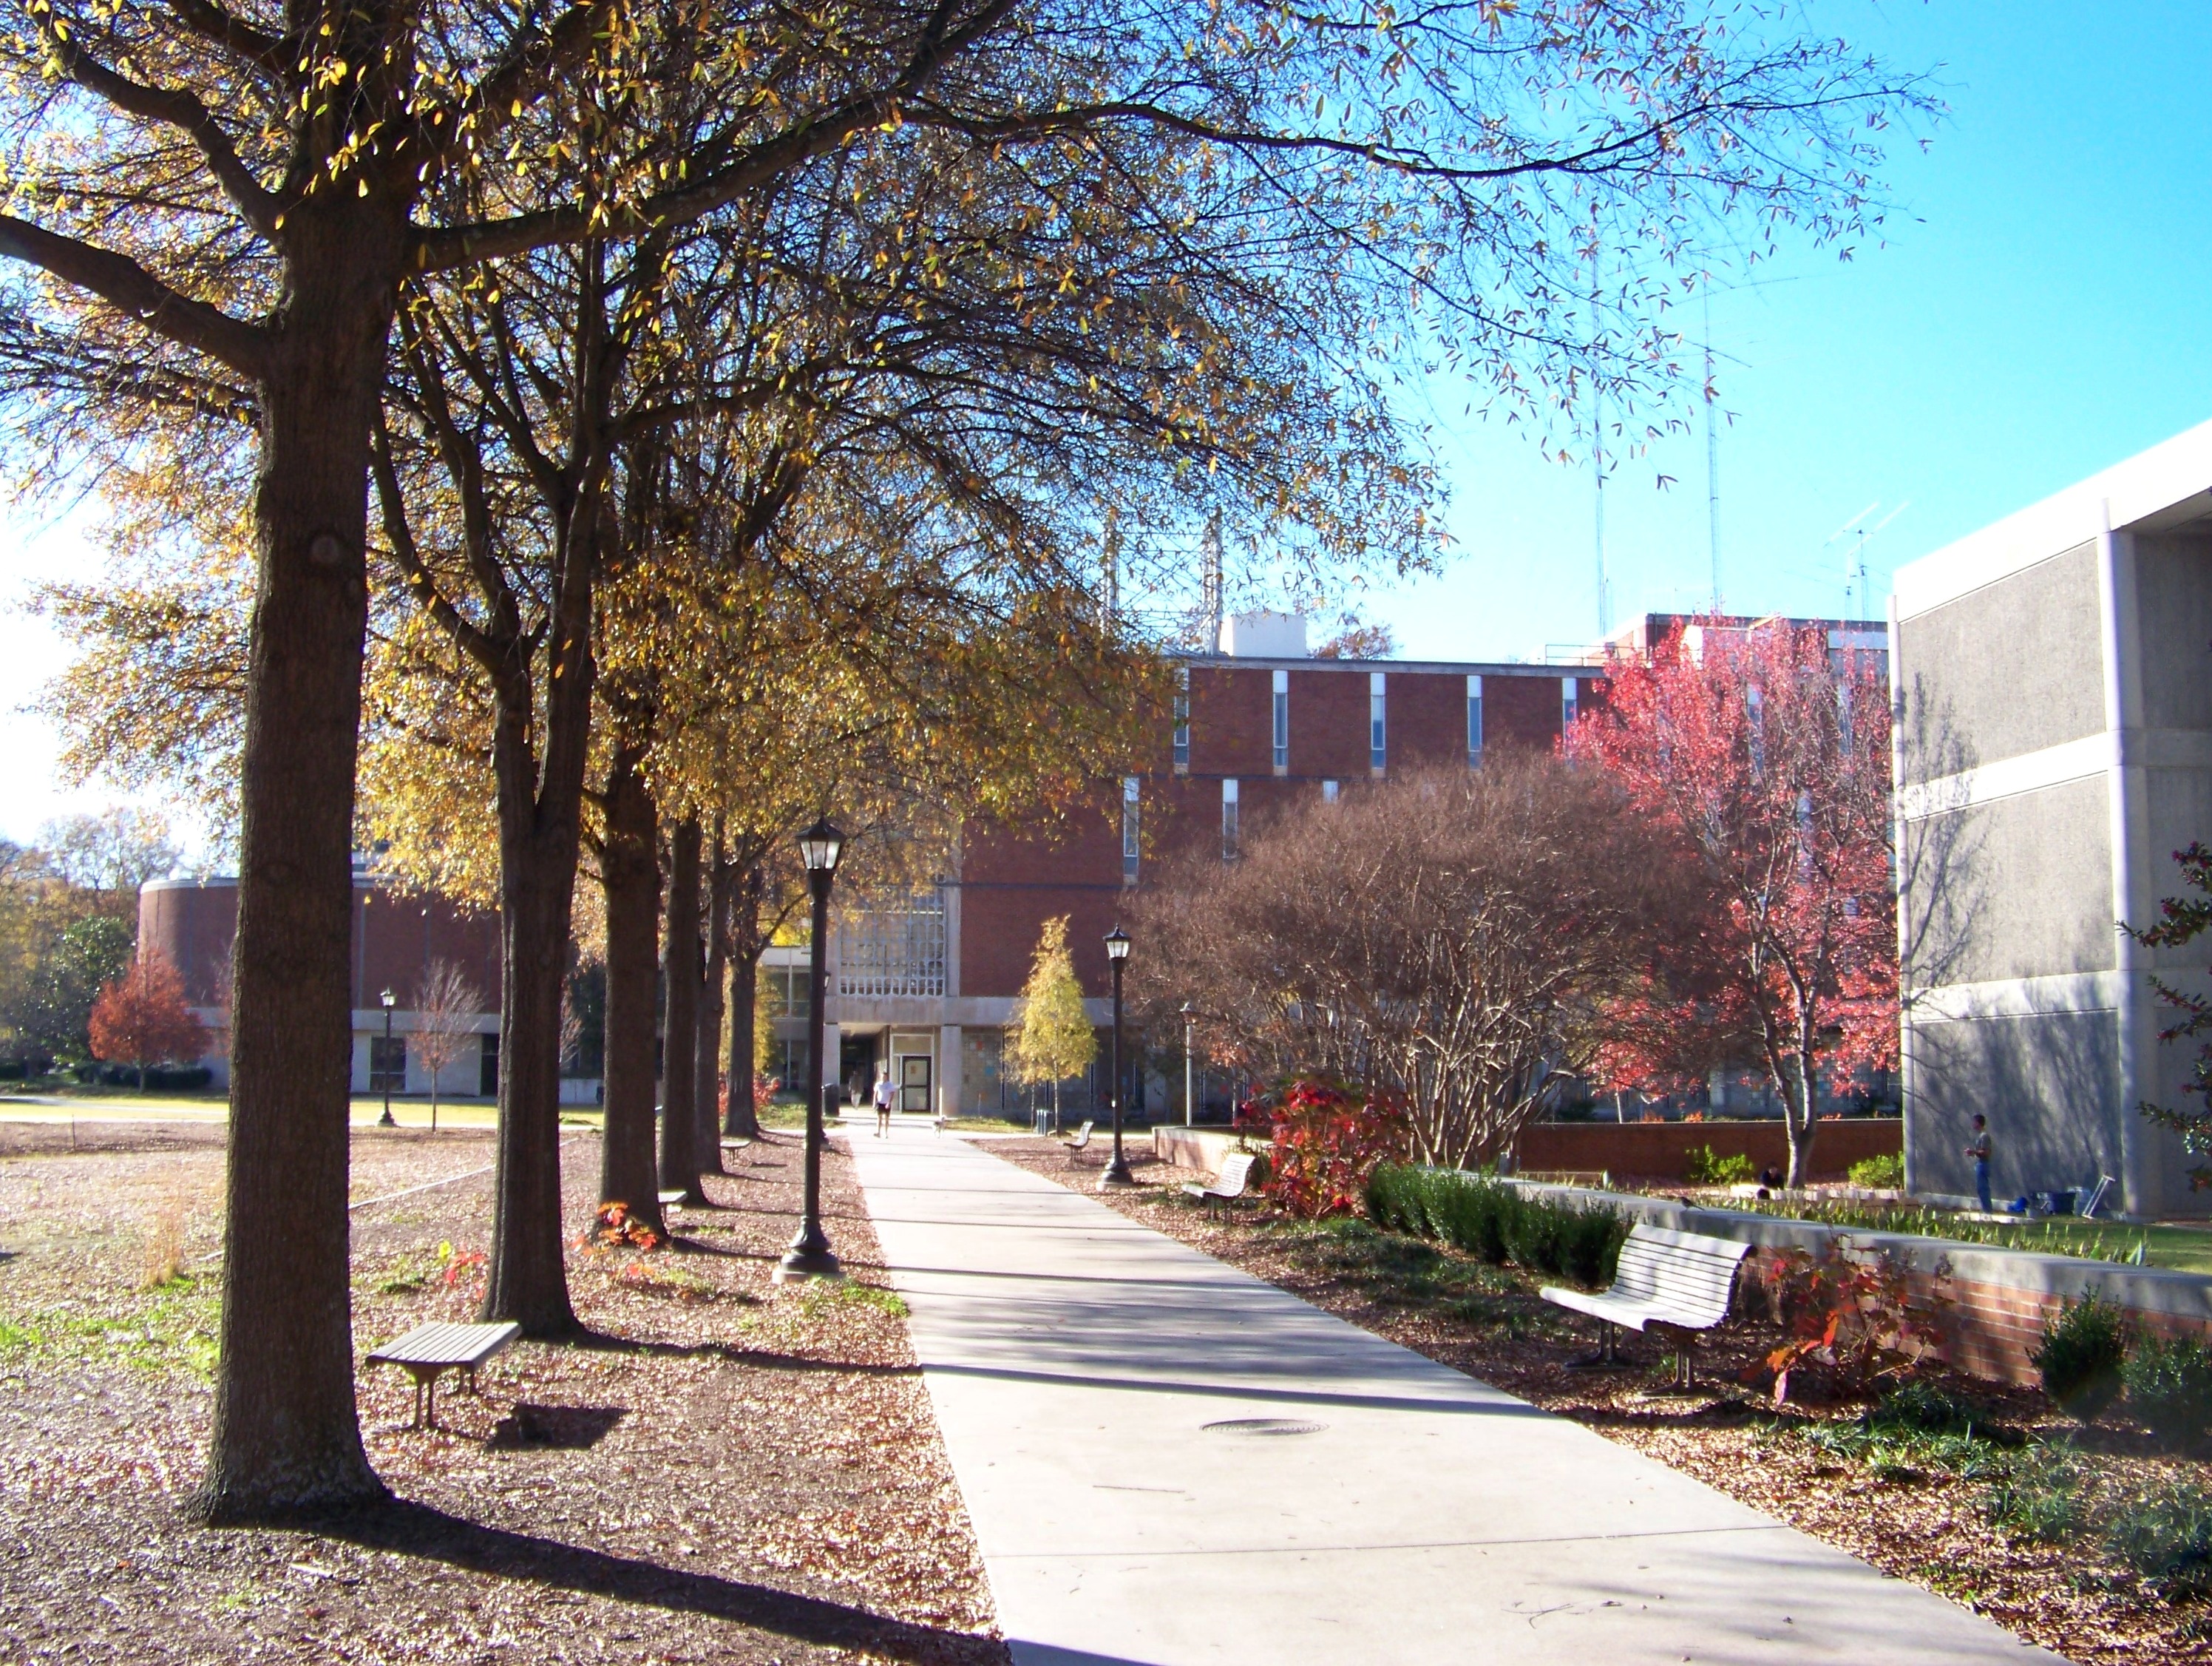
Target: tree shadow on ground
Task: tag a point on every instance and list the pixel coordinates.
(562, 1428)
(730, 1353)
(415, 1529)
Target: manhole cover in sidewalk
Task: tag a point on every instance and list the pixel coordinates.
(1263, 1425)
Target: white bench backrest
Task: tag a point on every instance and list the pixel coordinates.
(1082, 1133)
(1688, 1274)
(1236, 1171)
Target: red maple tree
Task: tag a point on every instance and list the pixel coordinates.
(140, 1018)
(1768, 754)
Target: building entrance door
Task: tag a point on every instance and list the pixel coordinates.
(914, 1083)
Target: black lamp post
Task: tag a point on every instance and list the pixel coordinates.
(1117, 1172)
(1189, 1069)
(809, 1257)
(389, 1000)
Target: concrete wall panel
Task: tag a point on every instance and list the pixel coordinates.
(2028, 888)
(2173, 591)
(2049, 1084)
(2016, 664)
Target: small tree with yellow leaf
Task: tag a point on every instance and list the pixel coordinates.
(1050, 1038)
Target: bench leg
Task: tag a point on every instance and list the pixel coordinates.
(1608, 1358)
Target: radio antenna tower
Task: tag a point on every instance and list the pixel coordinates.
(1110, 592)
(1209, 583)
(1712, 461)
(1597, 464)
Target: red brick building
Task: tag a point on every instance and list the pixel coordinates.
(396, 937)
(927, 989)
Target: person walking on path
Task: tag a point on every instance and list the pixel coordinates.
(1978, 1149)
(884, 1093)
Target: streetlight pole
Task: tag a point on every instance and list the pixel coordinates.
(809, 1257)
(1190, 1070)
(389, 1000)
(1117, 1172)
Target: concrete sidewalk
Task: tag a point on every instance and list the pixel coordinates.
(1169, 1462)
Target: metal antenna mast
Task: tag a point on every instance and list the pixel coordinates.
(1712, 461)
(1209, 581)
(1597, 463)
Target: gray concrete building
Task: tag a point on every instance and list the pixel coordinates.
(2053, 682)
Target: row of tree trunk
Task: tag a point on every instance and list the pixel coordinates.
(712, 936)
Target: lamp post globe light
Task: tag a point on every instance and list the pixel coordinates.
(389, 1000)
(1117, 1172)
(809, 1257)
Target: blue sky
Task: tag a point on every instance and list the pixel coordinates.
(2039, 311)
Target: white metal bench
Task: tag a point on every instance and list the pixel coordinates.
(1677, 1280)
(427, 1351)
(1081, 1143)
(1233, 1181)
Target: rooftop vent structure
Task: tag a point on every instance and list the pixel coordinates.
(1264, 636)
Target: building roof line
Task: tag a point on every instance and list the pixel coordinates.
(2168, 486)
(1454, 667)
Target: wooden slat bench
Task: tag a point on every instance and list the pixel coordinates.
(428, 1352)
(1234, 1181)
(1677, 1280)
(1080, 1144)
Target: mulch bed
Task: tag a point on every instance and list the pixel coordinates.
(726, 1470)
(1927, 1527)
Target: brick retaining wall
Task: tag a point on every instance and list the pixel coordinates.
(1661, 1151)
(1994, 1303)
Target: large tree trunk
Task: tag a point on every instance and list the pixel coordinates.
(740, 1122)
(540, 813)
(630, 871)
(286, 1437)
(679, 1124)
(708, 1052)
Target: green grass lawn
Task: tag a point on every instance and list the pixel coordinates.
(2183, 1249)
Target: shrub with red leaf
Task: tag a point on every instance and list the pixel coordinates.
(1326, 1137)
(1853, 1315)
(613, 1227)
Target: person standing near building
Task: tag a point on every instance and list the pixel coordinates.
(884, 1091)
(1978, 1149)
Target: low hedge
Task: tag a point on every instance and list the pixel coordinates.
(1498, 1223)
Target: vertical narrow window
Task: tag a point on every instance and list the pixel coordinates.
(1229, 821)
(1182, 721)
(1130, 845)
(1282, 722)
(1328, 792)
(1473, 722)
(1754, 702)
(1569, 690)
(1378, 752)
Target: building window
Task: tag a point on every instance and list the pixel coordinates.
(1569, 703)
(1227, 821)
(894, 947)
(1182, 721)
(487, 1067)
(1378, 754)
(787, 991)
(1473, 722)
(1328, 792)
(1282, 722)
(1130, 844)
(388, 1064)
